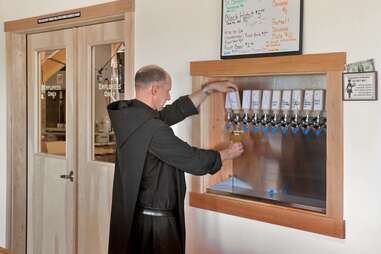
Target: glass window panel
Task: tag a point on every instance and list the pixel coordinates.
(108, 86)
(52, 93)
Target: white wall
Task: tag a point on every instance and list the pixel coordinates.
(173, 32)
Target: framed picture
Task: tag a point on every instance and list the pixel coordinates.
(360, 86)
(257, 28)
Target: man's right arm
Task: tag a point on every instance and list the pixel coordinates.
(177, 153)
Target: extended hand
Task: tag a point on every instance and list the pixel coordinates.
(221, 86)
(233, 151)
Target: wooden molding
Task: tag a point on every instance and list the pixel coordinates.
(284, 216)
(313, 63)
(16, 139)
(106, 12)
(4, 251)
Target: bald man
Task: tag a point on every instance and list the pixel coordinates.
(149, 184)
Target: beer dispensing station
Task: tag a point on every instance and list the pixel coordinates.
(283, 132)
(287, 112)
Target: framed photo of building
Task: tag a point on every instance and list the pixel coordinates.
(257, 28)
(360, 86)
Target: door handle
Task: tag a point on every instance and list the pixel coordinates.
(70, 176)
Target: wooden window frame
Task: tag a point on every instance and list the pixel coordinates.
(16, 72)
(332, 65)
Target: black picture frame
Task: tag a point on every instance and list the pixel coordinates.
(361, 94)
(299, 51)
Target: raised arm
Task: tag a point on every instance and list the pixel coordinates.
(210, 87)
(188, 105)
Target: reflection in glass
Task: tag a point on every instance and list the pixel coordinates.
(52, 80)
(108, 86)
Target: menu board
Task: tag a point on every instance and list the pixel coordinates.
(252, 28)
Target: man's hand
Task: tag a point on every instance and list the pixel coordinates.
(233, 151)
(210, 87)
(222, 86)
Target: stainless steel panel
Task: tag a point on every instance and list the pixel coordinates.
(284, 169)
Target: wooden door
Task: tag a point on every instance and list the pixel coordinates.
(102, 53)
(52, 158)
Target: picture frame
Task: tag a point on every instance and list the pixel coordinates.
(360, 86)
(260, 28)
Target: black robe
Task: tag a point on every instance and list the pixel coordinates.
(143, 135)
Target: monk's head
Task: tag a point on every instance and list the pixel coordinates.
(153, 84)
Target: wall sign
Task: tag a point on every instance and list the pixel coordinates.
(360, 86)
(256, 28)
(59, 17)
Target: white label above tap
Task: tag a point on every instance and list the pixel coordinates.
(235, 101)
(318, 100)
(286, 100)
(296, 100)
(256, 99)
(308, 100)
(228, 106)
(275, 104)
(246, 100)
(266, 100)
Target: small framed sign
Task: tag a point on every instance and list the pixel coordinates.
(258, 28)
(360, 86)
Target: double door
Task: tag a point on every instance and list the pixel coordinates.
(72, 75)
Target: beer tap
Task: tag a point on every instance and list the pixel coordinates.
(285, 107)
(266, 104)
(235, 103)
(296, 109)
(319, 123)
(246, 104)
(275, 109)
(256, 96)
(229, 127)
(306, 123)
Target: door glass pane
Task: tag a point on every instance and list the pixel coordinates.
(52, 80)
(108, 86)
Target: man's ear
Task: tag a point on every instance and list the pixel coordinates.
(154, 89)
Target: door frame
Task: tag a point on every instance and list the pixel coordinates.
(16, 75)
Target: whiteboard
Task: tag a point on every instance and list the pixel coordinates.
(252, 28)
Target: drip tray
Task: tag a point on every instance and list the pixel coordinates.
(238, 188)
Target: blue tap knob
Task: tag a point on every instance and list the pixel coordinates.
(284, 131)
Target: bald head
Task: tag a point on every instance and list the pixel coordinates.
(153, 85)
(148, 75)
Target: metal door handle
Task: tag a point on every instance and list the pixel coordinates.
(70, 176)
